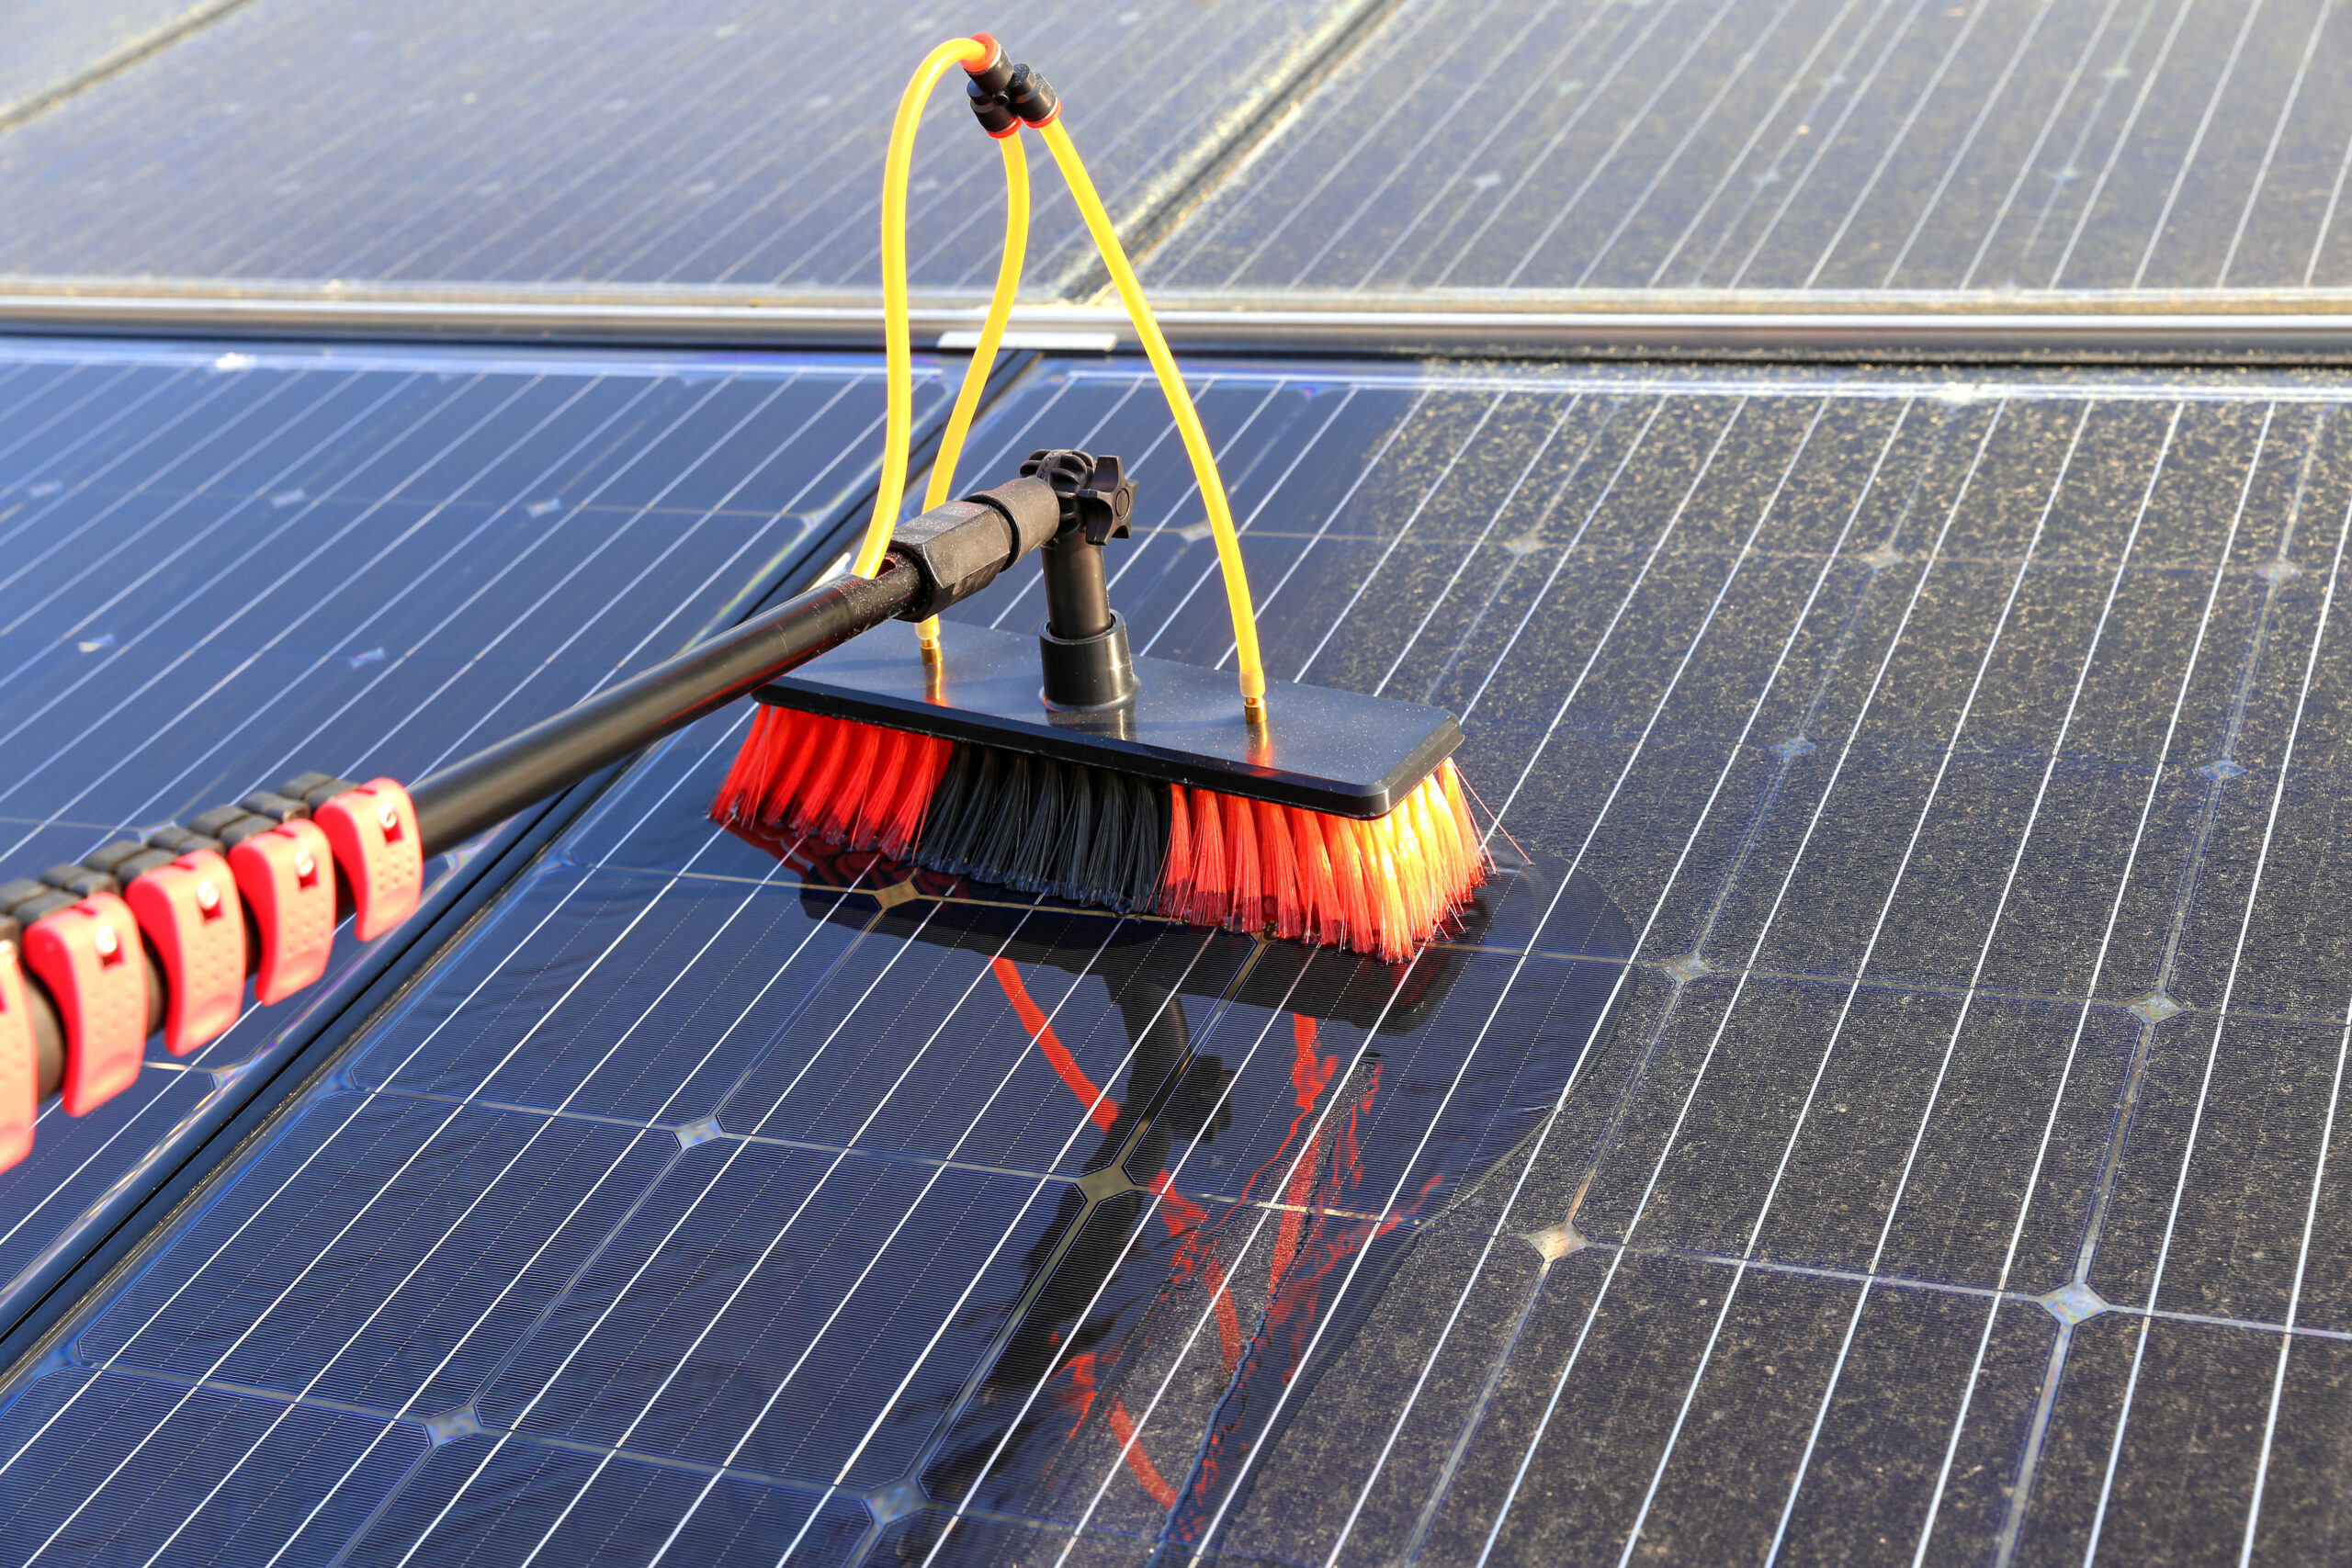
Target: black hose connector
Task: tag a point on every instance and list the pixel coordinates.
(1083, 648)
(987, 82)
(1033, 99)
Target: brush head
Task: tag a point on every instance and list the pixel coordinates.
(1339, 754)
(1170, 806)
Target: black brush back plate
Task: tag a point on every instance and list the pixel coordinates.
(1324, 751)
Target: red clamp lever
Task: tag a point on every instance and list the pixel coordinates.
(373, 829)
(188, 910)
(288, 884)
(88, 958)
(19, 1056)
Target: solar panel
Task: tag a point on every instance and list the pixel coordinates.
(600, 142)
(1883, 1106)
(1817, 145)
(223, 569)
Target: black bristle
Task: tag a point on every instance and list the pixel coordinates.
(1041, 826)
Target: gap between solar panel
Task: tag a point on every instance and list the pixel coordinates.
(1134, 784)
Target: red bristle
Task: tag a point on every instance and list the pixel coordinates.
(751, 761)
(875, 802)
(1322, 893)
(808, 806)
(1241, 851)
(1285, 894)
(1211, 899)
(800, 744)
(927, 758)
(1347, 870)
(1176, 869)
(862, 747)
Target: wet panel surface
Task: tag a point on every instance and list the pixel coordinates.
(1886, 1099)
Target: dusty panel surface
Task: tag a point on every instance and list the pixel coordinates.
(52, 47)
(1888, 1100)
(1818, 145)
(222, 569)
(595, 143)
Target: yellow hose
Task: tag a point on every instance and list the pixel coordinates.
(976, 375)
(1180, 403)
(899, 350)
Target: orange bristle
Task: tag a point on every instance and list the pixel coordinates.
(1285, 889)
(1322, 893)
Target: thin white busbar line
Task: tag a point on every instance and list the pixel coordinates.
(2271, 151)
(1437, 483)
(1967, 143)
(286, 574)
(1837, 1032)
(1788, 1151)
(1894, 144)
(1959, 1022)
(955, 1310)
(2214, 1047)
(1542, 158)
(1790, 82)
(2032, 156)
(2122, 137)
(2196, 142)
(1828, 139)
(1697, 123)
(1732, 758)
(2295, 1295)
(2327, 218)
(1740, 558)
(514, 1275)
(320, 1255)
(1485, 530)
(1157, 1196)
(621, 1294)
(1533, 77)
(1633, 122)
(2020, 1486)
(1787, 877)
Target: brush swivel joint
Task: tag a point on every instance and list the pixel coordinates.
(1083, 644)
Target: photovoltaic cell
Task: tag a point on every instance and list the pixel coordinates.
(220, 569)
(603, 144)
(1815, 145)
(50, 46)
(1896, 1064)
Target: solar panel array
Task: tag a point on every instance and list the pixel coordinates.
(222, 569)
(1805, 144)
(1886, 1107)
(50, 47)
(607, 143)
